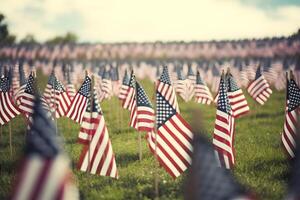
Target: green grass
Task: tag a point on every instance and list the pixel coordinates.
(260, 161)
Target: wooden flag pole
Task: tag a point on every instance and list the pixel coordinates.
(10, 139)
(91, 110)
(156, 174)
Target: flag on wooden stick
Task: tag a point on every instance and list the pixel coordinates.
(289, 134)
(79, 103)
(44, 172)
(202, 93)
(259, 89)
(97, 156)
(223, 136)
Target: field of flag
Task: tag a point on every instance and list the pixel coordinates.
(260, 162)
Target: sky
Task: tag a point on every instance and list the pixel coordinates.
(152, 20)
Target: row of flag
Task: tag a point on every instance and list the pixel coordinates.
(168, 135)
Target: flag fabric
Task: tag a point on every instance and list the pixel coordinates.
(202, 93)
(259, 89)
(223, 136)
(142, 116)
(173, 141)
(165, 88)
(130, 94)
(180, 85)
(28, 96)
(237, 99)
(70, 88)
(207, 181)
(289, 134)
(79, 103)
(22, 87)
(8, 110)
(57, 97)
(106, 87)
(97, 156)
(124, 87)
(44, 173)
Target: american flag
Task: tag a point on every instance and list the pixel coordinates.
(289, 134)
(259, 89)
(237, 100)
(97, 156)
(79, 103)
(22, 80)
(223, 137)
(57, 97)
(165, 88)
(142, 115)
(202, 93)
(8, 110)
(44, 172)
(173, 141)
(27, 97)
(106, 91)
(130, 94)
(180, 85)
(207, 181)
(70, 88)
(124, 87)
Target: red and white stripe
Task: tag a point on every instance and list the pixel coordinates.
(71, 91)
(8, 110)
(45, 179)
(97, 157)
(128, 101)
(223, 139)
(289, 134)
(106, 90)
(26, 103)
(260, 90)
(202, 94)
(168, 92)
(173, 145)
(123, 92)
(77, 108)
(238, 103)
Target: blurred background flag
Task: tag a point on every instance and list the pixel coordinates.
(44, 173)
(259, 89)
(237, 100)
(202, 93)
(207, 181)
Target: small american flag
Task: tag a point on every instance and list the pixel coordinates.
(70, 88)
(22, 87)
(27, 97)
(289, 134)
(202, 93)
(44, 172)
(237, 100)
(8, 110)
(97, 156)
(130, 94)
(259, 89)
(79, 103)
(57, 97)
(106, 91)
(165, 88)
(142, 115)
(124, 87)
(173, 138)
(223, 137)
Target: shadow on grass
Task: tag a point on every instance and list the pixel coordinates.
(125, 159)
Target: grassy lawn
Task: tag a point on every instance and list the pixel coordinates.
(260, 161)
